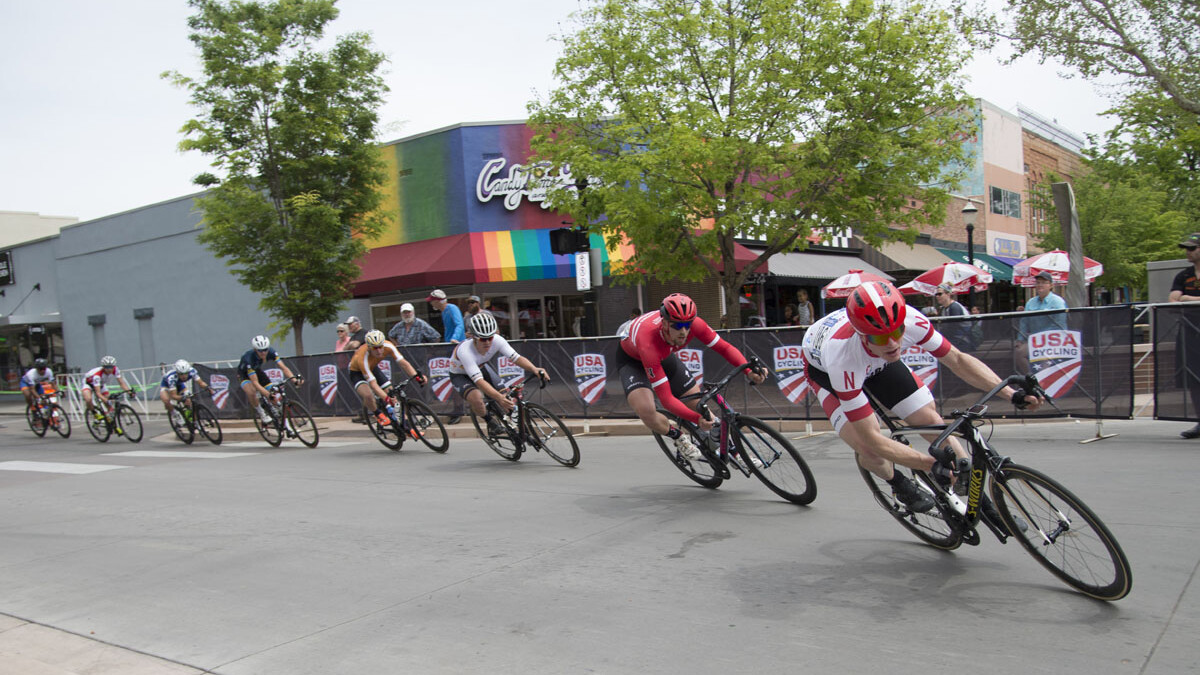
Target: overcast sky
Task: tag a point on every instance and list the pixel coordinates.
(88, 128)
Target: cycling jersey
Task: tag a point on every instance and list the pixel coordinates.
(646, 344)
(834, 348)
(466, 360)
(32, 377)
(251, 362)
(97, 378)
(364, 361)
(173, 380)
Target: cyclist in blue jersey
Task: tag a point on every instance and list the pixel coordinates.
(254, 377)
(175, 383)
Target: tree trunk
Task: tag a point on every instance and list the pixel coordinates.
(733, 293)
(298, 335)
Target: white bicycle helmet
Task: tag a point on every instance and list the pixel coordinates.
(483, 325)
(108, 361)
(182, 367)
(260, 342)
(375, 338)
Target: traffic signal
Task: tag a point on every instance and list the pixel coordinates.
(567, 240)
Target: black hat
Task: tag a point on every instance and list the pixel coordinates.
(1190, 241)
(1044, 275)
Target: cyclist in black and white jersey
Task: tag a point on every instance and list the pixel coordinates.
(467, 374)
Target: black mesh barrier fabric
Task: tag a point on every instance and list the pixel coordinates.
(1176, 343)
(1085, 359)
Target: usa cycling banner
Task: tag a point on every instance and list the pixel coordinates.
(789, 372)
(590, 377)
(327, 379)
(1056, 357)
(439, 377)
(220, 389)
(510, 372)
(693, 359)
(922, 364)
(275, 375)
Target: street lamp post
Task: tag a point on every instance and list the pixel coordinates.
(969, 214)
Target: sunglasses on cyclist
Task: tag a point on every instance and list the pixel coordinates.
(882, 340)
(680, 325)
(486, 339)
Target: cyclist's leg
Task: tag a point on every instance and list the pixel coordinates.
(639, 394)
(167, 395)
(27, 392)
(86, 394)
(363, 389)
(251, 395)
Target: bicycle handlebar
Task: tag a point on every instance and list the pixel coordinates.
(713, 388)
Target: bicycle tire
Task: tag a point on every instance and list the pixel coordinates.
(129, 423)
(784, 471)
(930, 527)
(387, 434)
(270, 431)
(1086, 558)
(702, 471)
(97, 427)
(37, 423)
(208, 425)
(63, 427)
(297, 419)
(183, 430)
(428, 427)
(549, 433)
(505, 445)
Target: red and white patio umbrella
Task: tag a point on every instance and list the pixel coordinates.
(1058, 264)
(909, 289)
(842, 286)
(961, 277)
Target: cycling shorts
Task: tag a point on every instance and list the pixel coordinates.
(633, 374)
(357, 378)
(895, 387)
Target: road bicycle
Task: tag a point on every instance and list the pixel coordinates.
(289, 419)
(46, 414)
(409, 418)
(747, 444)
(1050, 522)
(110, 415)
(186, 420)
(527, 426)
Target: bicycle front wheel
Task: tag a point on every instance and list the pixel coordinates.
(183, 430)
(59, 420)
(423, 422)
(129, 423)
(782, 468)
(208, 425)
(1061, 532)
(702, 470)
(549, 433)
(37, 423)
(97, 426)
(502, 444)
(270, 431)
(298, 421)
(930, 527)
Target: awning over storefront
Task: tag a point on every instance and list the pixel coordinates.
(920, 257)
(1000, 271)
(478, 257)
(819, 266)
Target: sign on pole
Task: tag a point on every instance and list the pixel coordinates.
(583, 271)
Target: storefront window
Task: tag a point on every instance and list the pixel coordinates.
(499, 307)
(750, 303)
(20, 345)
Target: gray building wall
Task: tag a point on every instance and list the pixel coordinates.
(1159, 275)
(33, 264)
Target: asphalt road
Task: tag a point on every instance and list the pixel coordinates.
(350, 558)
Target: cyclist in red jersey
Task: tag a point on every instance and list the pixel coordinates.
(647, 365)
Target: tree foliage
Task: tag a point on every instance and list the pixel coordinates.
(695, 121)
(1154, 44)
(290, 130)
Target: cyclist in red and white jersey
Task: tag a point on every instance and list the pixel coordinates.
(647, 365)
(856, 350)
(96, 379)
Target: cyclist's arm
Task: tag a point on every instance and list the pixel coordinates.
(528, 366)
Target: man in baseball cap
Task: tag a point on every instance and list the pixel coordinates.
(1186, 288)
(452, 325)
(1191, 241)
(358, 334)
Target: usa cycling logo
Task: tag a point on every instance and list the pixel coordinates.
(220, 389)
(439, 376)
(1056, 357)
(385, 367)
(327, 377)
(789, 372)
(921, 363)
(693, 359)
(509, 372)
(275, 375)
(591, 374)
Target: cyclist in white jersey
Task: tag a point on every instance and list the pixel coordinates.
(858, 349)
(34, 378)
(467, 374)
(95, 382)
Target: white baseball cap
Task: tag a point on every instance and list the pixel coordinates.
(407, 307)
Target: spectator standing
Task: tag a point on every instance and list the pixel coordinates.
(473, 307)
(976, 326)
(623, 329)
(958, 332)
(343, 338)
(358, 334)
(453, 332)
(410, 330)
(789, 315)
(1043, 299)
(1186, 288)
(805, 314)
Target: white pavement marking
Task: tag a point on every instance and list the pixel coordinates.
(291, 444)
(58, 467)
(186, 454)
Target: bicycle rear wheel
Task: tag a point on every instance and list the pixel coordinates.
(270, 432)
(183, 430)
(783, 469)
(207, 424)
(1062, 533)
(502, 444)
(930, 527)
(425, 424)
(550, 434)
(386, 433)
(97, 426)
(58, 420)
(298, 421)
(702, 471)
(129, 423)
(37, 423)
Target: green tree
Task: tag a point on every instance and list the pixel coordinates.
(695, 121)
(291, 130)
(1153, 44)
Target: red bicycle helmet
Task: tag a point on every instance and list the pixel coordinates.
(678, 307)
(876, 308)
